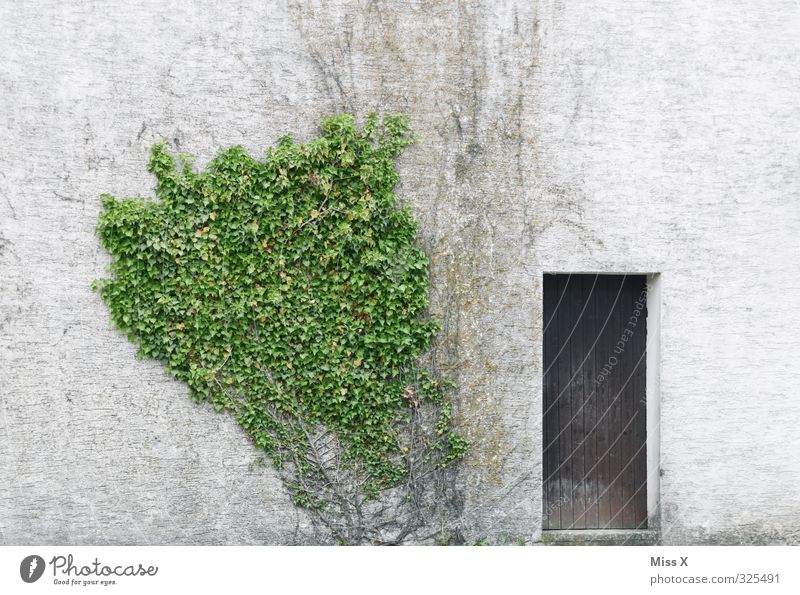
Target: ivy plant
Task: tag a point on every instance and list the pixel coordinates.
(290, 292)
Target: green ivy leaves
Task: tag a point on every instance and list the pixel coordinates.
(286, 288)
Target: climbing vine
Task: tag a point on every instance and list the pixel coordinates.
(291, 293)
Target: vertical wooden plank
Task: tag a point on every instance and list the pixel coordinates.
(615, 395)
(627, 402)
(601, 390)
(590, 403)
(546, 314)
(555, 290)
(562, 449)
(640, 380)
(551, 516)
(564, 407)
(578, 311)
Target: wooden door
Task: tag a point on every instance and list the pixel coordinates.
(594, 444)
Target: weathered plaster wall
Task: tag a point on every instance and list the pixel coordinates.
(590, 136)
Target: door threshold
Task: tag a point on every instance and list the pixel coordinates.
(601, 537)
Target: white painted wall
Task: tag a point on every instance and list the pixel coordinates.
(603, 136)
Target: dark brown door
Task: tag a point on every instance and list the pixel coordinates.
(595, 453)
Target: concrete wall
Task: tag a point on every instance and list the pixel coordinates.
(556, 136)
